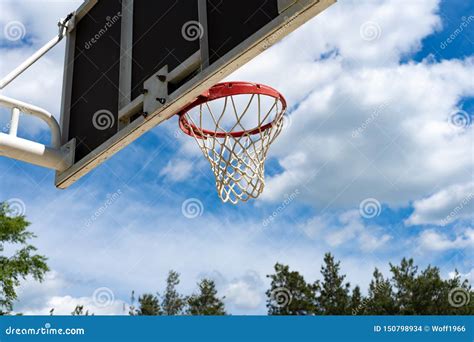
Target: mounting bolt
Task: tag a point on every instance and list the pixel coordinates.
(161, 100)
(144, 91)
(162, 78)
(145, 114)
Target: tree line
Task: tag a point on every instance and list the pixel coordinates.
(407, 291)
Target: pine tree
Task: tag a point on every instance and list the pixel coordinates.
(380, 299)
(403, 279)
(458, 297)
(206, 301)
(333, 298)
(356, 306)
(429, 295)
(132, 310)
(79, 311)
(289, 293)
(173, 303)
(149, 305)
(23, 263)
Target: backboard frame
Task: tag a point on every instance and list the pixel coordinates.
(155, 103)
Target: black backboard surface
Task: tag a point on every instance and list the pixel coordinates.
(130, 64)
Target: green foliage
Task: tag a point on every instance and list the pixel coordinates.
(333, 293)
(406, 292)
(289, 294)
(78, 311)
(205, 302)
(356, 301)
(173, 303)
(149, 305)
(380, 300)
(427, 293)
(23, 262)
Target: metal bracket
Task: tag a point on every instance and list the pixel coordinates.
(155, 94)
(157, 90)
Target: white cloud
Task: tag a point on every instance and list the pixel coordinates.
(469, 275)
(39, 298)
(177, 170)
(404, 153)
(246, 292)
(348, 229)
(432, 240)
(407, 149)
(445, 206)
(65, 305)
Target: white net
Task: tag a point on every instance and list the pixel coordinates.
(234, 133)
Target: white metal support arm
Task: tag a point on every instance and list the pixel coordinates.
(63, 27)
(55, 156)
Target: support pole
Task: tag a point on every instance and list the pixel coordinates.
(14, 122)
(38, 54)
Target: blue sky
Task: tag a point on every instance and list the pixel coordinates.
(372, 92)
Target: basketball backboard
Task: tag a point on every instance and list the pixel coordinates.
(132, 64)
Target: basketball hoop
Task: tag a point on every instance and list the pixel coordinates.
(234, 124)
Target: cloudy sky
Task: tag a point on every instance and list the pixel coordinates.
(375, 163)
